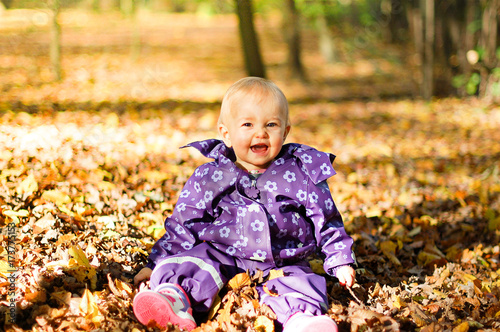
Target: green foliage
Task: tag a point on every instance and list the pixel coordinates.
(472, 82)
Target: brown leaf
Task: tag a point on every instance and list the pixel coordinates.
(432, 327)
(419, 316)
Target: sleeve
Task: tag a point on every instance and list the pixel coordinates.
(329, 230)
(191, 207)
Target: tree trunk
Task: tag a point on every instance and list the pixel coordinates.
(129, 9)
(488, 42)
(292, 31)
(55, 41)
(427, 88)
(5, 3)
(326, 42)
(416, 32)
(397, 21)
(251, 51)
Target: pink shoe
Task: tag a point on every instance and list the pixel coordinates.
(168, 303)
(305, 322)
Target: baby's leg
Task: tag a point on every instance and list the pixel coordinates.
(300, 290)
(201, 272)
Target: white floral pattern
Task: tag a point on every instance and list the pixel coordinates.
(291, 203)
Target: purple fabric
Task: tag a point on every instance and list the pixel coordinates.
(225, 223)
(197, 281)
(299, 290)
(280, 218)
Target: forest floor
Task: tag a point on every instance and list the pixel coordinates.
(91, 166)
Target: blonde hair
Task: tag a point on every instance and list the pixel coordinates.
(258, 88)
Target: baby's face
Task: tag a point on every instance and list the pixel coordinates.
(256, 130)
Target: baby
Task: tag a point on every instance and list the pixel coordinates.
(259, 205)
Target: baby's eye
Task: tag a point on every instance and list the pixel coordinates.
(247, 124)
(272, 124)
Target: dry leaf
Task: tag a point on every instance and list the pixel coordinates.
(269, 291)
(264, 324)
(463, 327)
(240, 280)
(389, 250)
(28, 185)
(273, 274)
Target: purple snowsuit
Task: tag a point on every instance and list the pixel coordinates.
(226, 222)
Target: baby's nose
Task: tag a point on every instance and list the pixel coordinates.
(262, 132)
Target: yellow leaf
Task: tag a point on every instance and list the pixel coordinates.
(156, 176)
(468, 277)
(89, 308)
(439, 293)
(80, 266)
(87, 304)
(28, 185)
(317, 266)
(6, 268)
(240, 280)
(77, 253)
(273, 274)
(14, 215)
(269, 291)
(122, 286)
(373, 212)
(215, 307)
(494, 224)
(105, 185)
(264, 324)
(44, 224)
(425, 258)
(20, 213)
(136, 249)
(11, 172)
(225, 313)
(398, 303)
(66, 238)
(464, 327)
(389, 250)
(56, 196)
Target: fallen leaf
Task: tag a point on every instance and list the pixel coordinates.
(264, 324)
(462, 327)
(273, 274)
(240, 280)
(28, 185)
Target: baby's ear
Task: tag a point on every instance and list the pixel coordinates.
(224, 133)
(287, 131)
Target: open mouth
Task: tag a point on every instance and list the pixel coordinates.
(259, 148)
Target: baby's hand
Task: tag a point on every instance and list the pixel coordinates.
(346, 276)
(143, 274)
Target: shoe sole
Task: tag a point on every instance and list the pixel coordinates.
(151, 306)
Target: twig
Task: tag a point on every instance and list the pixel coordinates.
(354, 296)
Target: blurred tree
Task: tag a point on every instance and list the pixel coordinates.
(55, 40)
(459, 47)
(6, 3)
(427, 48)
(324, 23)
(398, 22)
(292, 32)
(129, 9)
(250, 44)
(488, 42)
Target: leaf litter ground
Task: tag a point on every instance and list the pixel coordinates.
(86, 183)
